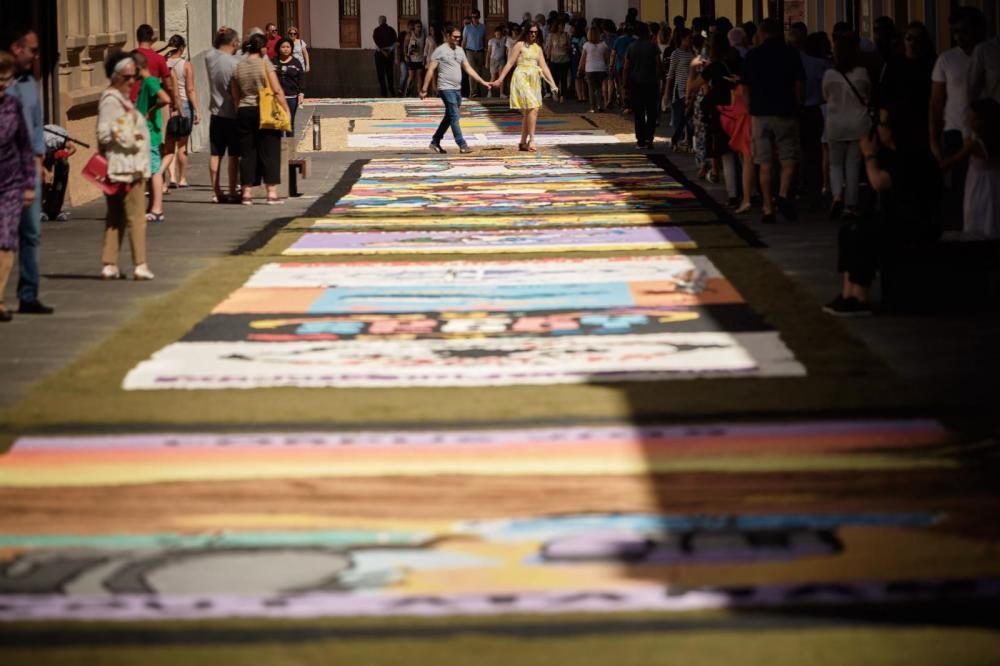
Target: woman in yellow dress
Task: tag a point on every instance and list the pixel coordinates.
(526, 84)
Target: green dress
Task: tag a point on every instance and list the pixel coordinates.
(526, 84)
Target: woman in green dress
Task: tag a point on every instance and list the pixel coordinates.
(526, 84)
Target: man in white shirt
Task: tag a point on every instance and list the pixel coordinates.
(948, 125)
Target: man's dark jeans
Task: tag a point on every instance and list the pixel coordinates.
(645, 104)
(452, 109)
(383, 69)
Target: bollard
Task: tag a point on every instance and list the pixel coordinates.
(317, 133)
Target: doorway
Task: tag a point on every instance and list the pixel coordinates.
(453, 12)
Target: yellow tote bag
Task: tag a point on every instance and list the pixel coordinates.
(273, 115)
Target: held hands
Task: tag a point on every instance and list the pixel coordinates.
(29, 198)
(867, 146)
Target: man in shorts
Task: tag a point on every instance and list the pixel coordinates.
(775, 80)
(223, 130)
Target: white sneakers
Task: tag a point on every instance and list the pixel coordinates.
(142, 272)
(110, 272)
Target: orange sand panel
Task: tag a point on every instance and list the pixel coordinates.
(247, 300)
(653, 293)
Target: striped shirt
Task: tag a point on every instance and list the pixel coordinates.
(680, 68)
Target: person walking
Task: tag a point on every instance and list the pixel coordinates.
(291, 75)
(448, 63)
(273, 37)
(474, 43)
(415, 49)
(677, 80)
(847, 92)
(594, 65)
(384, 37)
(641, 77)
(906, 87)
(260, 149)
(17, 174)
(223, 128)
(151, 100)
(300, 50)
(526, 83)
(123, 140)
(400, 63)
(721, 76)
(949, 125)
(557, 48)
(620, 45)
(775, 82)
(23, 45)
(496, 55)
(175, 147)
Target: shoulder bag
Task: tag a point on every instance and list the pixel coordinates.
(872, 112)
(273, 115)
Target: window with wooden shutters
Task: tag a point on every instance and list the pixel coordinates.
(496, 12)
(572, 7)
(350, 24)
(409, 10)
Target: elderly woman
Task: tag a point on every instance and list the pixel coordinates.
(260, 149)
(17, 174)
(123, 139)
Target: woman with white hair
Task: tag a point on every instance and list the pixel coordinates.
(738, 40)
(123, 140)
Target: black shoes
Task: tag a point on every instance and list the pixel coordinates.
(836, 210)
(847, 307)
(5, 316)
(768, 218)
(35, 307)
(787, 208)
(436, 148)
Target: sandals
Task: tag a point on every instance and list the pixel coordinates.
(154, 218)
(742, 210)
(526, 148)
(275, 202)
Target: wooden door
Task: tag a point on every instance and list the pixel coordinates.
(350, 24)
(288, 15)
(455, 11)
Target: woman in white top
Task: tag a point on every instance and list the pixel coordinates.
(414, 51)
(123, 140)
(594, 63)
(300, 50)
(180, 68)
(847, 91)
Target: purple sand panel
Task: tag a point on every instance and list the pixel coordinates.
(504, 238)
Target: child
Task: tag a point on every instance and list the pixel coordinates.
(151, 99)
(59, 148)
(496, 55)
(982, 184)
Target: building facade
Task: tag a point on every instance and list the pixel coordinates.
(76, 35)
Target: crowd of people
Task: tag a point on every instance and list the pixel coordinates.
(148, 112)
(783, 117)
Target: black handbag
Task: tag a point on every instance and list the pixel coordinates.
(179, 126)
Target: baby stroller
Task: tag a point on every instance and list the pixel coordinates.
(58, 149)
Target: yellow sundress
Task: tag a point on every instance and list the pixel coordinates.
(526, 83)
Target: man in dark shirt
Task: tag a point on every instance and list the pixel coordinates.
(641, 77)
(775, 80)
(385, 48)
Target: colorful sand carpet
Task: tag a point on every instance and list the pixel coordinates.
(394, 543)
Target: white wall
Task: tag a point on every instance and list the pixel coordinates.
(612, 9)
(324, 19)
